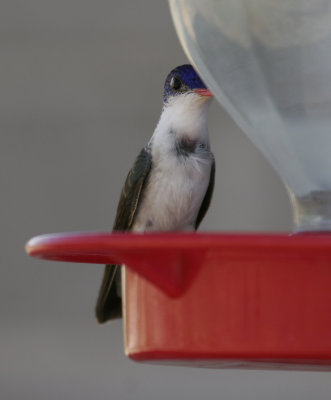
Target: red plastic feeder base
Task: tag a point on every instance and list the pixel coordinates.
(216, 300)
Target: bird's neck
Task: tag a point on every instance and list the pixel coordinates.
(183, 117)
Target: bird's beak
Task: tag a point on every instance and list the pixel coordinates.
(204, 92)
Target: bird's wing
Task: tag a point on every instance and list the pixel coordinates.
(207, 199)
(109, 304)
(131, 195)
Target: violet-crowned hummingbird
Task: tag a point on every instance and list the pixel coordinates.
(170, 185)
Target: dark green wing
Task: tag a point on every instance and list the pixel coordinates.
(207, 199)
(109, 303)
(131, 193)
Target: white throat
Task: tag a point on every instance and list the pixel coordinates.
(183, 116)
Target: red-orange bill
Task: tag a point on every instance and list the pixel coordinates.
(204, 92)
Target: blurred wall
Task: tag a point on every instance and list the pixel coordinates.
(81, 85)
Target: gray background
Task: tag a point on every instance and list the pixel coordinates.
(81, 85)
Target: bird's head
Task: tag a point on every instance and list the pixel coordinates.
(184, 81)
(186, 100)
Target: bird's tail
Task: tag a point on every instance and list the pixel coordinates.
(109, 303)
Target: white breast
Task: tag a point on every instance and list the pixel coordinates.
(174, 194)
(177, 184)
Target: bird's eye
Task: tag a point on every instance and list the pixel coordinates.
(175, 83)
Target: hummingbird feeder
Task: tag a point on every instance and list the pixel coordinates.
(253, 300)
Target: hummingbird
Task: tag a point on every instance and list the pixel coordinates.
(170, 185)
